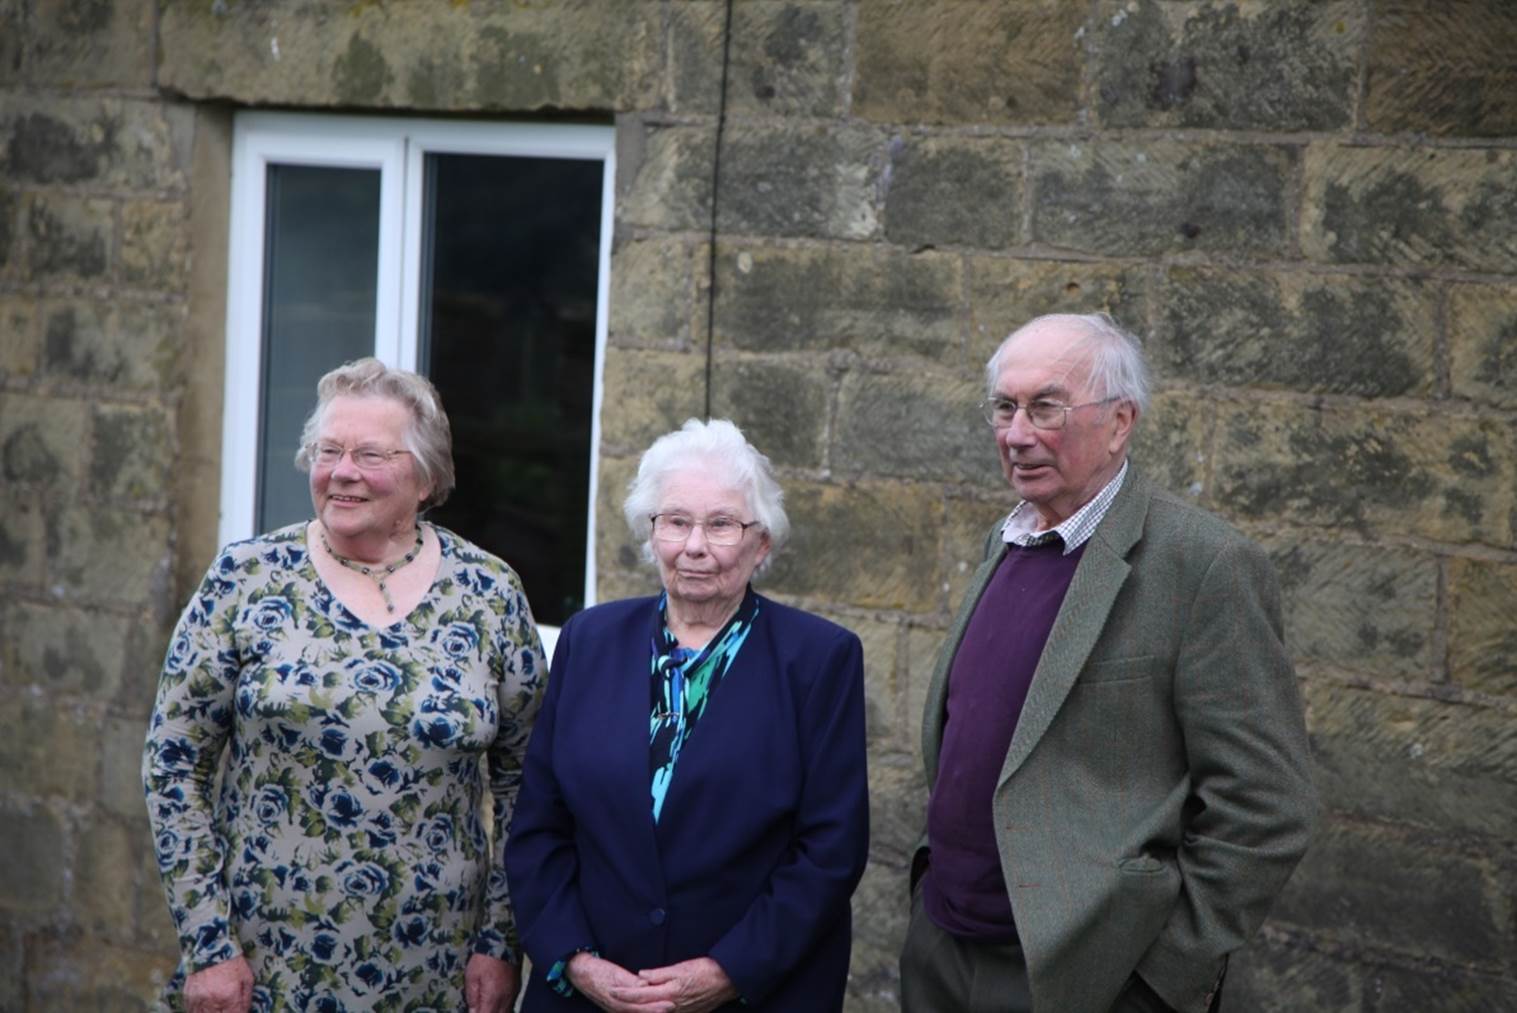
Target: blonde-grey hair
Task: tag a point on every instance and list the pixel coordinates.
(428, 437)
(1117, 366)
(719, 448)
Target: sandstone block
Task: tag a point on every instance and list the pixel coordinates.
(131, 347)
(116, 143)
(155, 245)
(70, 237)
(133, 454)
(1334, 335)
(897, 811)
(105, 883)
(869, 298)
(785, 58)
(961, 61)
(10, 230)
(92, 43)
(917, 425)
(1483, 344)
(1005, 294)
(869, 545)
(881, 910)
(1371, 470)
(42, 440)
(953, 191)
(965, 529)
(12, 53)
(62, 650)
(1358, 607)
(1412, 761)
(21, 540)
(1447, 989)
(12, 939)
(49, 746)
(120, 761)
(923, 644)
(664, 176)
(881, 698)
(648, 394)
(1172, 442)
(653, 291)
(618, 559)
(781, 406)
(1442, 68)
(1482, 630)
(106, 553)
(77, 972)
(1265, 970)
(801, 180)
(1226, 65)
(1127, 199)
(19, 342)
(1418, 207)
(1447, 906)
(31, 877)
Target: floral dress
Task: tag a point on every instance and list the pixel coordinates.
(346, 856)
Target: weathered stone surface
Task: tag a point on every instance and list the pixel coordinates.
(1420, 207)
(120, 761)
(913, 425)
(881, 909)
(1483, 344)
(881, 697)
(786, 58)
(1450, 906)
(77, 972)
(12, 940)
(947, 61)
(31, 877)
(663, 175)
(133, 454)
(10, 231)
(154, 245)
(105, 881)
(1171, 444)
(1275, 976)
(580, 54)
(92, 43)
(870, 545)
(21, 539)
(19, 342)
(1358, 607)
(620, 569)
(1334, 335)
(42, 440)
(1450, 767)
(653, 288)
(965, 530)
(12, 54)
(922, 647)
(869, 298)
(1442, 68)
(49, 747)
(1369, 470)
(897, 809)
(1447, 989)
(104, 553)
(1227, 65)
(781, 406)
(954, 191)
(126, 346)
(784, 179)
(647, 395)
(1005, 294)
(115, 143)
(70, 237)
(1127, 199)
(1482, 627)
(61, 649)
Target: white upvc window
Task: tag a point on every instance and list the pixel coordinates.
(475, 253)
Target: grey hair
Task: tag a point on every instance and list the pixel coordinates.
(717, 447)
(1118, 368)
(428, 436)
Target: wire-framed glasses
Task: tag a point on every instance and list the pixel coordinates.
(672, 527)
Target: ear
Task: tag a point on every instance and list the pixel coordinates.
(765, 545)
(1124, 418)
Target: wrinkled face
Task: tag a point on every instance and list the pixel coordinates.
(352, 501)
(695, 571)
(1058, 470)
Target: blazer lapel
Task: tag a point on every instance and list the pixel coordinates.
(1097, 581)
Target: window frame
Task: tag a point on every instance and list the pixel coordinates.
(397, 148)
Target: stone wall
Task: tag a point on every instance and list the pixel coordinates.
(1309, 209)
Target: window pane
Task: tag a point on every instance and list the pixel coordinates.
(321, 266)
(507, 333)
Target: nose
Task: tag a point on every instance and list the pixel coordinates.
(1021, 432)
(695, 541)
(345, 469)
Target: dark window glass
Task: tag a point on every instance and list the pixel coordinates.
(507, 333)
(321, 269)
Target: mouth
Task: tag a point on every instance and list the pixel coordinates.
(349, 500)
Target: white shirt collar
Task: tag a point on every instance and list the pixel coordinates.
(1021, 525)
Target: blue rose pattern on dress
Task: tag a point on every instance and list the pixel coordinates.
(346, 856)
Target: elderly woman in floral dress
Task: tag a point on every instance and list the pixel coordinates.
(355, 671)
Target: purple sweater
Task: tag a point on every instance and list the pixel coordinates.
(964, 891)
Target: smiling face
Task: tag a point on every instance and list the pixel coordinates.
(1058, 470)
(351, 502)
(694, 571)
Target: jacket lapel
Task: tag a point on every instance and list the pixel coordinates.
(1097, 582)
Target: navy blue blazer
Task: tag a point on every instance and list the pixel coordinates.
(764, 831)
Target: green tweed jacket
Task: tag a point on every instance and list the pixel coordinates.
(1157, 792)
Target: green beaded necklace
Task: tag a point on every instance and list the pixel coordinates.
(378, 574)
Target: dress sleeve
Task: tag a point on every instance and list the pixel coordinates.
(192, 720)
(811, 887)
(519, 695)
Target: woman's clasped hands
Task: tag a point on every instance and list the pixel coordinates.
(690, 986)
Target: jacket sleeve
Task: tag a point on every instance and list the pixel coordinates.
(810, 888)
(191, 722)
(542, 862)
(1253, 804)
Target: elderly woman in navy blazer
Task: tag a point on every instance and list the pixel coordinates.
(694, 812)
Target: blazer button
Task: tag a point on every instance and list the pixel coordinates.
(656, 916)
